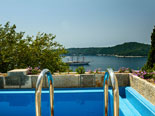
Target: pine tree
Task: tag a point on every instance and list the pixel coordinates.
(151, 57)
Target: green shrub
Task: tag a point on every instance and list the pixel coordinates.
(125, 70)
(90, 71)
(80, 70)
(144, 74)
(153, 77)
(96, 71)
(35, 70)
(146, 67)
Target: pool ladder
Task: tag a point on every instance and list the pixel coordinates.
(110, 74)
(44, 73)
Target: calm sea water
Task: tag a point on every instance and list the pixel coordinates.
(104, 62)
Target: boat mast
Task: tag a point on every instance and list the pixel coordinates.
(77, 58)
(72, 58)
(83, 58)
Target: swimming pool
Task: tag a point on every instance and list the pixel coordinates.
(73, 102)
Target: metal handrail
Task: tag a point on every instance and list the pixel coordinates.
(110, 74)
(44, 73)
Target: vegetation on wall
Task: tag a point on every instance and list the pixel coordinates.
(19, 51)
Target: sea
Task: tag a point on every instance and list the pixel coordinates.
(104, 62)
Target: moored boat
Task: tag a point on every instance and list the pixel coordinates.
(79, 63)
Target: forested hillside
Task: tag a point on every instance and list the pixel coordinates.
(126, 49)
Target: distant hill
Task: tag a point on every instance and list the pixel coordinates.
(126, 49)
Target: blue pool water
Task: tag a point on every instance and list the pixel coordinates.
(66, 103)
(73, 102)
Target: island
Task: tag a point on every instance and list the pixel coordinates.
(128, 49)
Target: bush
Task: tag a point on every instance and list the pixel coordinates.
(96, 71)
(146, 68)
(125, 70)
(144, 74)
(90, 71)
(153, 77)
(35, 70)
(80, 70)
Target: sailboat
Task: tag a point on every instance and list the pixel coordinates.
(77, 63)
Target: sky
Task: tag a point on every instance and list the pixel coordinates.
(83, 23)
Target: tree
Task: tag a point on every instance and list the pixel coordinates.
(19, 52)
(9, 40)
(151, 57)
(47, 53)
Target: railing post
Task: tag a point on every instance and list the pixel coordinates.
(44, 73)
(110, 74)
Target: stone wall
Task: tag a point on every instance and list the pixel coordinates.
(19, 79)
(143, 87)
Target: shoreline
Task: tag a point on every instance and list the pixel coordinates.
(118, 56)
